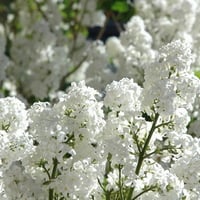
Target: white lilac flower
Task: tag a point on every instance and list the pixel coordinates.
(20, 185)
(164, 184)
(186, 165)
(114, 47)
(166, 19)
(80, 182)
(80, 111)
(13, 116)
(16, 143)
(68, 132)
(169, 84)
(43, 127)
(113, 179)
(89, 15)
(37, 61)
(124, 96)
(136, 51)
(100, 72)
(126, 56)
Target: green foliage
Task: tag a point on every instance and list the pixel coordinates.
(120, 7)
(122, 11)
(197, 74)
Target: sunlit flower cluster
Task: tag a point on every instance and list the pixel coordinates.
(94, 120)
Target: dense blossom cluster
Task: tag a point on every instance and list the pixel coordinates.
(126, 128)
(171, 20)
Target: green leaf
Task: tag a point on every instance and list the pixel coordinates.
(120, 6)
(197, 74)
(105, 4)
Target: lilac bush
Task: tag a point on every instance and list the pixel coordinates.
(83, 119)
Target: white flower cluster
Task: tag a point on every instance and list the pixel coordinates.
(131, 142)
(167, 80)
(130, 53)
(36, 64)
(90, 16)
(157, 23)
(133, 133)
(41, 60)
(15, 141)
(169, 20)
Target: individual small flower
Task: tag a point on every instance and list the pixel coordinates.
(113, 179)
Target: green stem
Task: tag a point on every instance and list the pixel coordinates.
(108, 195)
(160, 150)
(50, 194)
(54, 171)
(135, 137)
(147, 190)
(53, 176)
(141, 155)
(163, 124)
(46, 170)
(120, 182)
(62, 82)
(130, 192)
